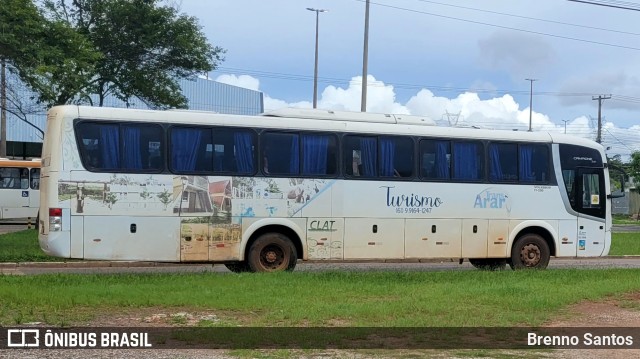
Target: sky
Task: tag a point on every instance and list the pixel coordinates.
(461, 62)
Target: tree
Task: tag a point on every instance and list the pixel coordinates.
(145, 48)
(634, 165)
(48, 57)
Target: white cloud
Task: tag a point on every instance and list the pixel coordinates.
(501, 112)
(381, 98)
(244, 81)
(274, 104)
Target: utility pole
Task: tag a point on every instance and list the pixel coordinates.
(365, 55)
(530, 101)
(600, 98)
(315, 68)
(3, 109)
(565, 126)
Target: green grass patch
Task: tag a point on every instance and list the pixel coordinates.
(23, 246)
(624, 219)
(345, 298)
(625, 244)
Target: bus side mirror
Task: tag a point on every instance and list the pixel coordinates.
(621, 194)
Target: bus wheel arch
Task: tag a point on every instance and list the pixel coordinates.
(278, 236)
(532, 249)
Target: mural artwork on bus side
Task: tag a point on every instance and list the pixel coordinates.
(211, 208)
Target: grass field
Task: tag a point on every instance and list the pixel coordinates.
(625, 244)
(624, 219)
(345, 298)
(23, 246)
(324, 299)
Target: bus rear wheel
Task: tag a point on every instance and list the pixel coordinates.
(238, 267)
(530, 252)
(272, 252)
(491, 264)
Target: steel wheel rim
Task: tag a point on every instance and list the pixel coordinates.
(272, 257)
(530, 255)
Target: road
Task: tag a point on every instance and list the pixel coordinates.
(7, 226)
(113, 268)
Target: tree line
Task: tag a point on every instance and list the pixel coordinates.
(82, 51)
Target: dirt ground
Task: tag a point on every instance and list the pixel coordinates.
(608, 313)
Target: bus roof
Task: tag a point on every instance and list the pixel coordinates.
(332, 115)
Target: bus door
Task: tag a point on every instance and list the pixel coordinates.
(591, 205)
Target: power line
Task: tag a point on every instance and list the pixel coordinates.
(622, 143)
(615, 4)
(297, 77)
(504, 27)
(532, 18)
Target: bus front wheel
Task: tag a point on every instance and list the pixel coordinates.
(531, 252)
(272, 252)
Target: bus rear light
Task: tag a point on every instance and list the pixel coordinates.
(55, 219)
(55, 212)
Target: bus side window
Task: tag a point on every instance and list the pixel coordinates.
(24, 178)
(35, 178)
(436, 159)
(396, 157)
(360, 156)
(5, 178)
(318, 154)
(356, 163)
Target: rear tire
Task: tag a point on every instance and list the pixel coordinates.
(490, 264)
(530, 252)
(272, 252)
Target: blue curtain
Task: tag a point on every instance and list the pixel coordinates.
(495, 168)
(465, 161)
(441, 162)
(132, 159)
(369, 156)
(110, 148)
(526, 163)
(218, 159)
(294, 163)
(387, 151)
(314, 154)
(244, 152)
(184, 148)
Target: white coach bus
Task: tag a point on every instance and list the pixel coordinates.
(19, 188)
(258, 193)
